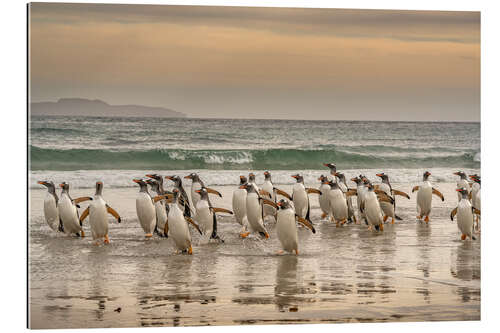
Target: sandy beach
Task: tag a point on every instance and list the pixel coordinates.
(410, 272)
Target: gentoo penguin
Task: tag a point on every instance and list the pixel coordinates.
(144, 205)
(161, 208)
(338, 204)
(360, 194)
(385, 186)
(177, 226)
(196, 185)
(324, 202)
(240, 205)
(183, 197)
(286, 227)
(340, 177)
(269, 188)
(97, 212)
(159, 179)
(424, 197)
(254, 209)
(461, 183)
(300, 197)
(206, 215)
(464, 210)
(50, 209)
(476, 196)
(68, 212)
(372, 209)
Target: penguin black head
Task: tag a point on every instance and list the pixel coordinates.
(283, 204)
(243, 180)
(203, 193)
(356, 180)
(251, 177)
(299, 178)
(64, 186)
(267, 175)
(426, 175)
(194, 177)
(384, 177)
(155, 176)
(142, 184)
(323, 179)
(176, 195)
(365, 180)
(333, 185)
(332, 166)
(249, 187)
(50, 185)
(475, 178)
(155, 186)
(98, 188)
(176, 179)
(463, 191)
(461, 174)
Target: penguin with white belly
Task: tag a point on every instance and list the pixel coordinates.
(372, 209)
(50, 210)
(324, 202)
(68, 212)
(206, 215)
(177, 226)
(97, 212)
(240, 206)
(475, 197)
(269, 188)
(300, 197)
(254, 210)
(144, 205)
(360, 194)
(338, 204)
(464, 212)
(341, 181)
(385, 186)
(161, 208)
(461, 183)
(424, 197)
(333, 169)
(286, 227)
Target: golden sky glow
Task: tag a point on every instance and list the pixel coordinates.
(261, 62)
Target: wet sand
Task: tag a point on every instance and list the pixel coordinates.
(410, 272)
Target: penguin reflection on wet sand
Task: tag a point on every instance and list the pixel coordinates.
(424, 197)
(286, 227)
(97, 212)
(68, 212)
(50, 209)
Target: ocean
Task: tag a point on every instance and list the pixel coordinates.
(115, 149)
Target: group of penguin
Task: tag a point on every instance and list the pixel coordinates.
(169, 213)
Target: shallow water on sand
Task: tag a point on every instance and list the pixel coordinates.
(410, 272)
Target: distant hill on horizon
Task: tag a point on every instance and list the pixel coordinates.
(98, 108)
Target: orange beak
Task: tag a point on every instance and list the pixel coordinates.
(294, 176)
(149, 175)
(354, 179)
(458, 190)
(169, 177)
(241, 177)
(242, 186)
(40, 182)
(456, 173)
(198, 191)
(100, 183)
(379, 175)
(278, 204)
(188, 177)
(61, 185)
(136, 180)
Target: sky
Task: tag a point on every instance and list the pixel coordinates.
(248, 62)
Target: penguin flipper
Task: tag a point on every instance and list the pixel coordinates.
(308, 210)
(436, 192)
(114, 213)
(84, 215)
(453, 213)
(214, 226)
(165, 230)
(398, 218)
(81, 199)
(415, 188)
(190, 220)
(401, 193)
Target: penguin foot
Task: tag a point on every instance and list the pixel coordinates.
(419, 217)
(463, 237)
(244, 234)
(343, 222)
(82, 234)
(393, 220)
(323, 215)
(381, 227)
(296, 252)
(264, 234)
(370, 227)
(280, 252)
(190, 250)
(148, 235)
(386, 217)
(106, 239)
(426, 219)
